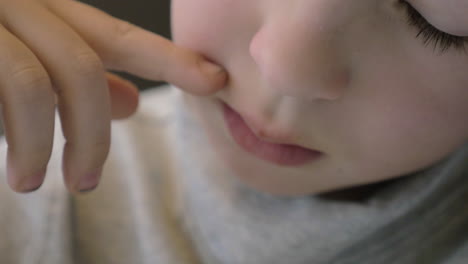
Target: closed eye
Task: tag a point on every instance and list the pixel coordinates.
(430, 34)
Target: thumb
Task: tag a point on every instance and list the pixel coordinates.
(124, 96)
(126, 47)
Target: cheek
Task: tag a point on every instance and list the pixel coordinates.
(205, 25)
(407, 122)
(187, 23)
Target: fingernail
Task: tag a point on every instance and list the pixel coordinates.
(211, 68)
(33, 183)
(90, 181)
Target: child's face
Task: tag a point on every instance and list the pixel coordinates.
(347, 78)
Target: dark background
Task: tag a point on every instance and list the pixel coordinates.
(152, 15)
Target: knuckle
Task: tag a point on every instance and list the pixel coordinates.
(32, 158)
(87, 63)
(102, 147)
(99, 150)
(89, 154)
(122, 29)
(27, 75)
(40, 156)
(36, 152)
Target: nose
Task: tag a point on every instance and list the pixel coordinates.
(302, 60)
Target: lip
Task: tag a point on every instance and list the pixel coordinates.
(276, 153)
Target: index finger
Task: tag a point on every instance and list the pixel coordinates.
(126, 47)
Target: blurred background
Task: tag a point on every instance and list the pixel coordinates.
(152, 15)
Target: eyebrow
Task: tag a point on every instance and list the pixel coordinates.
(451, 15)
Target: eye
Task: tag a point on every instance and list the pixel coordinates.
(430, 34)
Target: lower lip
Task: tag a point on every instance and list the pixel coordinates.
(279, 154)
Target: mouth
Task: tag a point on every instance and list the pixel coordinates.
(288, 155)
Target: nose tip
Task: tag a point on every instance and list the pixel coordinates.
(300, 67)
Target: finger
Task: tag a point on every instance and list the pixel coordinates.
(126, 47)
(78, 76)
(124, 96)
(28, 113)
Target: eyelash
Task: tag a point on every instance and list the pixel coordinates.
(431, 34)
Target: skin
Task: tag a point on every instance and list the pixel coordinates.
(449, 17)
(347, 78)
(56, 52)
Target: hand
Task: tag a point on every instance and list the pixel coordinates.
(57, 52)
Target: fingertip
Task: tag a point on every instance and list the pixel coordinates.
(24, 183)
(211, 69)
(124, 104)
(216, 76)
(124, 97)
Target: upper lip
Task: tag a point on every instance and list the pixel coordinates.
(269, 132)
